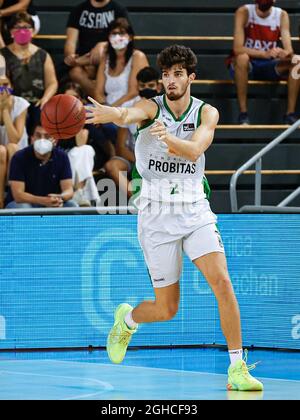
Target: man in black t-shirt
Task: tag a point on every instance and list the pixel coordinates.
(88, 26)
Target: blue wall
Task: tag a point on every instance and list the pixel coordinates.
(62, 276)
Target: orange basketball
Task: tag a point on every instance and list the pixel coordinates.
(63, 116)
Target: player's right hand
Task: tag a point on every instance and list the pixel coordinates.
(101, 114)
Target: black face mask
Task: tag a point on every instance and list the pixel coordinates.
(265, 6)
(148, 93)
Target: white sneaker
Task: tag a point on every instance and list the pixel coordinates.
(80, 199)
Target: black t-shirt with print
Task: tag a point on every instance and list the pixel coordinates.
(92, 23)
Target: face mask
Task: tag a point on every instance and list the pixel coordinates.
(6, 89)
(119, 42)
(43, 146)
(22, 36)
(265, 6)
(148, 93)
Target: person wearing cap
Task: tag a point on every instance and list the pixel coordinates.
(13, 135)
(257, 55)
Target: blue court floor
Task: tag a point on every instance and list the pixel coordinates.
(188, 374)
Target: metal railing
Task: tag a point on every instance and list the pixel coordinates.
(257, 161)
(68, 211)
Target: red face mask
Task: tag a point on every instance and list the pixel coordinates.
(264, 5)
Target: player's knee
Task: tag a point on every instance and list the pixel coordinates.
(168, 312)
(221, 285)
(242, 60)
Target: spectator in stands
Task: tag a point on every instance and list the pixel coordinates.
(11, 7)
(258, 28)
(40, 175)
(13, 135)
(116, 78)
(81, 156)
(87, 29)
(120, 166)
(29, 67)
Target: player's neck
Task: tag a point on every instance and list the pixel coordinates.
(179, 106)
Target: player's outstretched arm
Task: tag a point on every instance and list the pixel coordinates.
(102, 114)
(201, 140)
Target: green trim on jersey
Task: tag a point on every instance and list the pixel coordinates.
(182, 117)
(135, 175)
(206, 187)
(150, 122)
(199, 115)
(207, 190)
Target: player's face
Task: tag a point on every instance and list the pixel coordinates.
(176, 82)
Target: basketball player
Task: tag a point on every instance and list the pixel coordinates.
(174, 132)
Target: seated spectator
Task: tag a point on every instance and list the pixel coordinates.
(11, 7)
(40, 175)
(29, 67)
(87, 29)
(116, 78)
(258, 28)
(120, 166)
(81, 156)
(13, 135)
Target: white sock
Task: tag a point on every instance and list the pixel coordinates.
(129, 321)
(235, 355)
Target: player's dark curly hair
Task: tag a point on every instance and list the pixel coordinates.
(177, 54)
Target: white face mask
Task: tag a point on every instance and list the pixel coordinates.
(119, 42)
(43, 146)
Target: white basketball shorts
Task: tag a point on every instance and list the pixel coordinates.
(166, 230)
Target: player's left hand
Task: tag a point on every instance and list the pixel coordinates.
(159, 130)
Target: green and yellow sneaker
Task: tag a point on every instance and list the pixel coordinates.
(239, 378)
(120, 335)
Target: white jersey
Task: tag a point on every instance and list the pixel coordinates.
(169, 178)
